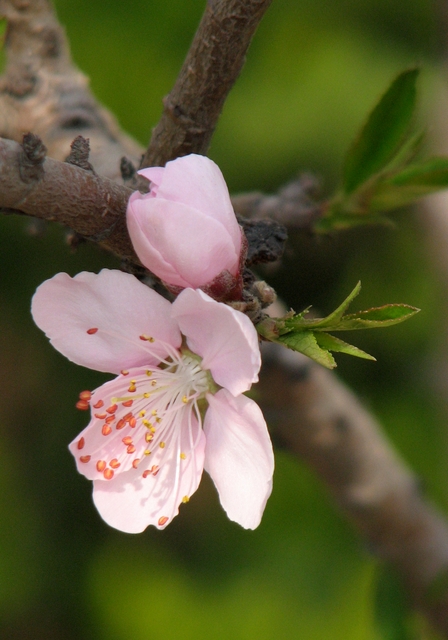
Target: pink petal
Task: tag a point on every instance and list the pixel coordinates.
(226, 339)
(130, 502)
(239, 456)
(154, 175)
(118, 306)
(197, 181)
(179, 244)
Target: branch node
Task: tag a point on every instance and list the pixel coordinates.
(79, 154)
(128, 171)
(31, 158)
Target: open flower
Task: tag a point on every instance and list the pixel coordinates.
(176, 406)
(185, 230)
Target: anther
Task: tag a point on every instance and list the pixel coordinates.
(98, 404)
(135, 463)
(85, 395)
(146, 473)
(148, 437)
(183, 456)
(114, 464)
(100, 465)
(108, 474)
(83, 405)
(149, 373)
(81, 443)
(128, 403)
(142, 413)
(92, 331)
(147, 452)
(100, 416)
(132, 422)
(185, 499)
(162, 445)
(146, 394)
(120, 424)
(112, 408)
(106, 430)
(130, 449)
(163, 520)
(127, 440)
(110, 419)
(85, 459)
(124, 372)
(132, 387)
(184, 399)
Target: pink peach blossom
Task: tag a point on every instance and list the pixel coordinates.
(185, 230)
(176, 405)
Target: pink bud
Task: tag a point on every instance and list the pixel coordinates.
(185, 230)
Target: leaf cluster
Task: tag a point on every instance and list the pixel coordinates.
(312, 337)
(381, 170)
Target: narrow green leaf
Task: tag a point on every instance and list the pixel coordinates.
(329, 342)
(299, 321)
(409, 184)
(378, 317)
(306, 343)
(384, 132)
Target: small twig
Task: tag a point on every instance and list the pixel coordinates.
(213, 64)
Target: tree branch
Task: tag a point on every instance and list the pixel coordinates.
(213, 64)
(43, 92)
(320, 421)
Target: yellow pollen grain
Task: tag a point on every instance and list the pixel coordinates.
(146, 423)
(162, 445)
(158, 420)
(149, 373)
(183, 456)
(154, 412)
(147, 452)
(185, 499)
(142, 413)
(152, 429)
(146, 394)
(184, 399)
(148, 437)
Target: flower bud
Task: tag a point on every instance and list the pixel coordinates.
(185, 230)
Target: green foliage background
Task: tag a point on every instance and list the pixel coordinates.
(313, 72)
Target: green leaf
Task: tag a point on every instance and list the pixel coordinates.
(384, 132)
(299, 321)
(305, 342)
(378, 317)
(411, 183)
(330, 343)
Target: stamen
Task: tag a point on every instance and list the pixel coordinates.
(85, 458)
(108, 474)
(114, 463)
(106, 430)
(85, 395)
(112, 408)
(163, 520)
(81, 443)
(92, 331)
(83, 405)
(100, 465)
(98, 404)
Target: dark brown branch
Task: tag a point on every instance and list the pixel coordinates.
(213, 64)
(91, 205)
(320, 421)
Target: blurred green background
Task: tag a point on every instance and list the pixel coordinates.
(313, 72)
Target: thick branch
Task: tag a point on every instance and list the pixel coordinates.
(213, 64)
(43, 92)
(319, 420)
